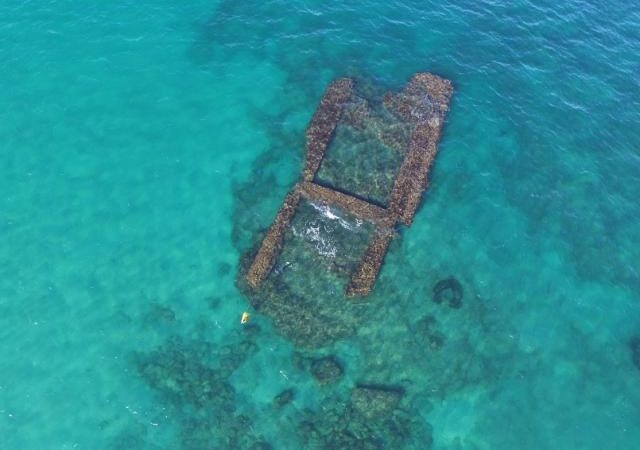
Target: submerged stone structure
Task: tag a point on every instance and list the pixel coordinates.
(407, 125)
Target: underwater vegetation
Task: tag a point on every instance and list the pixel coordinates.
(193, 379)
(375, 417)
(448, 291)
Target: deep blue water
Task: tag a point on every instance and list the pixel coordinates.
(143, 145)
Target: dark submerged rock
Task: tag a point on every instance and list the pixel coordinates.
(372, 419)
(180, 376)
(159, 314)
(635, 351)
(436, 340)
(374, 401)
(308, 322)
(425, 332)
(326, 370)
(425, 325)
(224, 269)
(448, 290)
(284, 398)
(214, 302)
(192, 378)
(251, 329)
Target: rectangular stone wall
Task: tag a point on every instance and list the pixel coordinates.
(423, 103)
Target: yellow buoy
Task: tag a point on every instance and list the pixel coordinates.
(245, 317)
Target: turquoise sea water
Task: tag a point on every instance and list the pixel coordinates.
(145, 145)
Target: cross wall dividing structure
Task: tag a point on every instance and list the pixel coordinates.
(423, 103)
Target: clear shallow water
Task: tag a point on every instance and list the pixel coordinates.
(142, 146)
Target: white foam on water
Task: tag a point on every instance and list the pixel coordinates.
(313, 234)
(327, 212)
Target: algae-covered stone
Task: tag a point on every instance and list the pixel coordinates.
(425, 332)
(373, 419)
(284, 398)
(448, 291)
(192, 377)
(326, 370)
(376, 401)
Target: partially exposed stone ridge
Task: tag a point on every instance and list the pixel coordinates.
(425, 97)
(270, 248)
(422, 104)
(359, 209)
(364, 276)
(323, 123)
(439, 89)
(412, 177)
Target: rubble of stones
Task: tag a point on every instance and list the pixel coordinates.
(270, 247)
(373, 418)
(323, 124)
(424, 98)
(183, 374)
(422, 105)
(326, 369)
(375, 401)
(366, 273)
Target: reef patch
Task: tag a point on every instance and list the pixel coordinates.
(373, 418)
(326, 369)
(376, 401)
(194, 383)
(449, 291)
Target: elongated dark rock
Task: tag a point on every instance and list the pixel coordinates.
(360, 209)
(270, 248)
(364, 276)
(424, 102)
(412, 177)
(323, 123)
